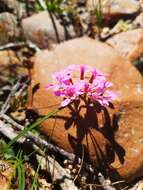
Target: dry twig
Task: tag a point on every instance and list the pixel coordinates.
(19, 45)
(14, 89)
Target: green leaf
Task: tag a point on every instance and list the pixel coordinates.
(34, 184)
(9, 154)
(21, 171)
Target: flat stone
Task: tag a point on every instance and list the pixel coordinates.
(128, 44)
(116, 7)
(39, 29)
(8, 28)
(116, 139)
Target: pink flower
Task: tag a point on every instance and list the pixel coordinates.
(81, 87)
(94, 86)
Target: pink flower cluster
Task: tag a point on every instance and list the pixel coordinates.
(94, 86)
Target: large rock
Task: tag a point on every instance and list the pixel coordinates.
(115, 8)
(39, 29)
(116, 138)
(128, 44)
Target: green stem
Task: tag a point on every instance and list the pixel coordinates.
(38, 122)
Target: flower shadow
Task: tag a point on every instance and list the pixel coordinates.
(87, 126)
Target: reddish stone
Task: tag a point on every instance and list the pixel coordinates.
(119, 143)
(129, 44)
(8, 62)
(8, 58)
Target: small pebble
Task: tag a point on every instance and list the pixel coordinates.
(70, 166)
